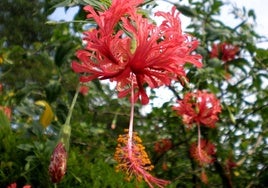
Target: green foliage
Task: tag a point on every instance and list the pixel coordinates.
(9, 152)
(35, 65)
(19, 17)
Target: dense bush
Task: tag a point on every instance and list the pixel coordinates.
(219, 144)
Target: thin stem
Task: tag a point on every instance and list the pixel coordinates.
(130, 129)
(199, 140)
(65, 131)
(68, 119)
(65, 22)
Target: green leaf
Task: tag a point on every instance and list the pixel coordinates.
(185, 10)
(62, 4)
(53, 90)
(63, 52)
(25, 147)
(261, 54)
(251, 13)
(216, 6)
(96, 4)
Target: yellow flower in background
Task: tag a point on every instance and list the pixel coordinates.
(1, 60)
(47, 116)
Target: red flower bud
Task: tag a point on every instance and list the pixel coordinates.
(84, 90)
(204, 177)
(58, 163)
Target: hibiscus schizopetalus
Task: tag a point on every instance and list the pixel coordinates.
(203, 153)
(224, 51)
(131, 50)
(163, 146)
(126, 47)
(201, 108)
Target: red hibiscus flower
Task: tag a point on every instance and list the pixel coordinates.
(199, 107)
(224, 51)
(203, 152)
(139, 52)
(163, 146)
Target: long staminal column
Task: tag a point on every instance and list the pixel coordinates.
(131, 155)
(130, 128)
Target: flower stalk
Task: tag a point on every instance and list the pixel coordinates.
(199, 140)
(58, 162)
(130, 129)
(65, 131)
